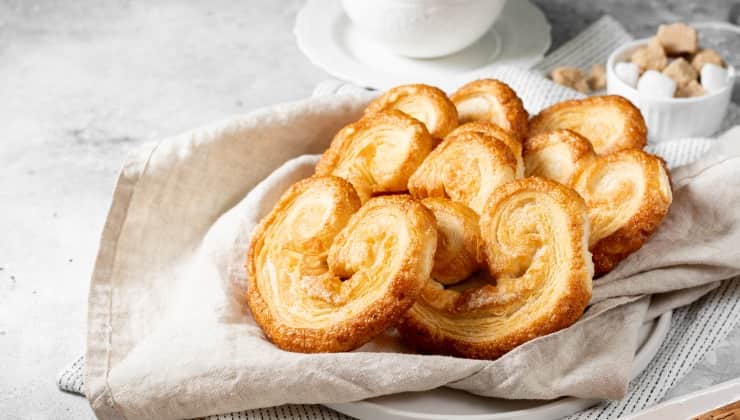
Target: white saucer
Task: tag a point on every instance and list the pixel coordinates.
(446, 403)
(324, 33)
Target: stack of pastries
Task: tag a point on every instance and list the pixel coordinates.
(458, 220)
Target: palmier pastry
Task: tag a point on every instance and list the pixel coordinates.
(427, 104)
(459, 251)
(627, 194)
(493, 130)
(611, 123)
(556, 154)
(465, 168)
(535, 239)
(493, 101)
(377, 154)
(325, 276)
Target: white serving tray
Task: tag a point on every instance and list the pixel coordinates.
(451, 404)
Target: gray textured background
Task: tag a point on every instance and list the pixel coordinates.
(84, 82)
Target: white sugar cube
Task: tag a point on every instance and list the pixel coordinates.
(713, 77)
(654, 83)
(627, 72)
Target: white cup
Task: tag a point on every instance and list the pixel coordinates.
(671, 118)
(423, 28)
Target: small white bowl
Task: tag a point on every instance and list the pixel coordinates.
(424, 28)
(671, 118)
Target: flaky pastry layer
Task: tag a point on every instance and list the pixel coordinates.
(556, 154)
(428, 104)
(465, 168)
(326, 275)
(611, 123)
(493, 101)
(377, 154)
(498, 132)
(459, 246)
(627, 194)
(535, 234)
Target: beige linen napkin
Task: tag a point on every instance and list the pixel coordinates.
(169, 336)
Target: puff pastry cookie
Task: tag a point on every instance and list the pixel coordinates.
(459, 247)
(535, 239)
(627, 194)
(490, 129)
(556, 154)
(611, 123)
(493, 101)
(427, 104)
(377, 154)
(465, 168)
(326, 275)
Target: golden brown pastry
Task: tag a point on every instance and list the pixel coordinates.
(465, 168)
(627, 194)
(427, 104)
(493, 101)
(459, 251)
(327, 277)
(377, 154)
(611, 123)
(535, 239)
(556, 154)
(493, 130)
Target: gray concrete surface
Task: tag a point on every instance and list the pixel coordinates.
(84, 82)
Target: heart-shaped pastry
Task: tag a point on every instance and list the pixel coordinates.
(535, 235)
(611, 123)
(627, 194)
(327, 275)
(428, 104)
(493, 101)
(377, 154)
(490, 129)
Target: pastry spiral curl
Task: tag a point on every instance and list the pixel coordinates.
(327, 277)
(427, 104)
(493, 130)
(465, 168)
(627, 194)
(459, 247)
(377, 154)
(535, 234)
(611, 123)
(493, 101)
(556, 154)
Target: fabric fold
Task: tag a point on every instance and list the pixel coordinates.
(170, 337)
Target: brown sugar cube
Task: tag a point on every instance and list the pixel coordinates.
(650, 57)
(571, 77)
(681, 72)
(597, 77)
(707, 56)
(678, 38)
(691, 89)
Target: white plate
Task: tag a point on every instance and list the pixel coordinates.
(520, 37)
(450, 404)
